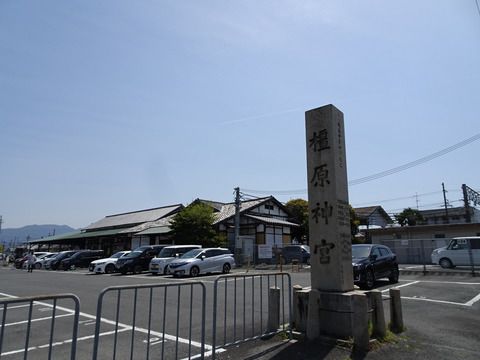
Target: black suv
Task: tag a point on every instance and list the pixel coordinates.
(296, 252)
(81, 259)
(55, 262)
(139, 259)
(373, 262)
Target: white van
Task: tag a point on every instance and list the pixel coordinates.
(458, 253)
(159, 264)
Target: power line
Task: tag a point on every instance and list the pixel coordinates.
(381, 174)
(415, 162)
(478, 7)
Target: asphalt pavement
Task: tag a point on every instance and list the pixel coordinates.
(441, 312)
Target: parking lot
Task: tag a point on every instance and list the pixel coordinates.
(439, 311)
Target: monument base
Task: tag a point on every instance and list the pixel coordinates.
(338, 315)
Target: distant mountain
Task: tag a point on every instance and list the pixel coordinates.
(9, 236)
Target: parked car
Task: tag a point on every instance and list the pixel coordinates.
(19, 262)
(460, 251)
(40, 259)
(107, 265)
(373, 262)
(202, 261)
(159, 264)
(298, 252)
(80, 259)
(138, 260)
(53, 263)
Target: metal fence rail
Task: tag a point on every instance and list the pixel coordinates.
(240, 309)
(177, 310)
(7, 304)
(419, 251)
(414, 251)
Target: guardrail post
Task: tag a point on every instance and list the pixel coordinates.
(300, 308)
(379, 328)
(273, 309)
(361, 338)
(396, 316)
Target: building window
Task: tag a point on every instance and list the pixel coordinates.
(439, 236)
(268, 207)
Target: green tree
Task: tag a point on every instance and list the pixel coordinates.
(298, 208)
(354, 223)
(410, 217)
(193, 225)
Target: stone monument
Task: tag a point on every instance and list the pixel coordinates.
(332, 302)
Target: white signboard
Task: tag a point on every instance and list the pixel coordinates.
(265, 251)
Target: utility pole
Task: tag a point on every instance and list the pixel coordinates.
(466, 204)
(445, 203)
(237, 221)
(469, 195)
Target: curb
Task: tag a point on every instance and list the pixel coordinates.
(438, 273)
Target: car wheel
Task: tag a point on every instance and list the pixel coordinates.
(369, 280)
(137, 269)
(165, 270)
(38, 266)
(226, 268)
(393, 278)
(109, 269)
(445, 263)
(194, 271)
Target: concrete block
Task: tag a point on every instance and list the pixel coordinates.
(300, 308)
(379, 328)
(396, 315)
(273, 309)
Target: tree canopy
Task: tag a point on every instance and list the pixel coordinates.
(193, 225)
(410, 217)
(298, 208)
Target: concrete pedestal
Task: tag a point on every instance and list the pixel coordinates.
(338, 315)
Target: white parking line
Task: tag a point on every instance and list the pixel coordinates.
(400, 286)
(36, 320)
(68, 341)
(124, 326)
(473, 301)
(422, 298)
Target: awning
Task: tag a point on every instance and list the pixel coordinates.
(77, 235)
(269, 220)
(54, 237)
(155, 230)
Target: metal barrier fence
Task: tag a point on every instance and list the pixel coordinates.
(243, 314)
(176, 326)
(419, 251)
(414, 251)
(32, 335)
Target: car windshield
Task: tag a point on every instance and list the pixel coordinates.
(191, 254)
(360, 251)
(117, 255)
(134, 254)
(63, 255)
(142, 248)
(166, 252)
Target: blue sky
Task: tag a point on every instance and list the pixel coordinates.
(114, 106)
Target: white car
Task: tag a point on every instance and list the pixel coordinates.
(461, 251)
(41, 259)
(159, 264)
(106, 265)
(202, 261)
